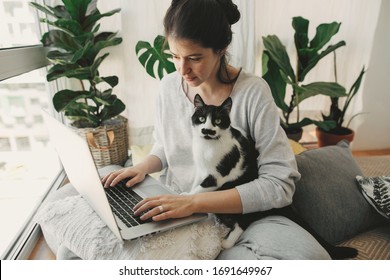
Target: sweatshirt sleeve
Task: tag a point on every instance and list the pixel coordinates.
(158, 146)
(277, 167)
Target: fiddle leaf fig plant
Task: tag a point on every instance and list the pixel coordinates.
(279, 73)
(75, 51)
(155, 59)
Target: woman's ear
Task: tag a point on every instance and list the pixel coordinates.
(222, 52)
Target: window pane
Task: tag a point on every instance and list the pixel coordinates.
(19, 23)
(28, 164)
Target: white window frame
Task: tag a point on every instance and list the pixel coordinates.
(16, 61)
(13, 62)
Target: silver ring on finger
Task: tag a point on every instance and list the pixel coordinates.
(161, 208)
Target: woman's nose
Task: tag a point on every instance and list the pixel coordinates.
(183, 67)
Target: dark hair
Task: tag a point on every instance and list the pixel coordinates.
(206, 22)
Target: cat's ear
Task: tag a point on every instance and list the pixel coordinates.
(198, 102)
(227, 104)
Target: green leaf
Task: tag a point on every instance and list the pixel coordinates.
(104, 40)
(63, 98)
(313, 58)
(68, 25)
(95, 16)
(301, 27)
(111, 80)
(77, 8)
(58, 57)
(106, 94)
(324, 33)
(352, 92)
(330, 89)
(326, 125)
(81, 53)
(43, 9)
(101, 101)
(96, 64)
(85, 38)
(69, 71)
(275, 81)
(149, 56)
(60, 11)
(60, 39)
(114, 110)
(277, 52)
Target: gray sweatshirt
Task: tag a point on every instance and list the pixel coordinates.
(254, 113)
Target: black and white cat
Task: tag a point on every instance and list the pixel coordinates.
(224, 159)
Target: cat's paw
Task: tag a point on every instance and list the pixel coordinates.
(232, 237)
(227, 243)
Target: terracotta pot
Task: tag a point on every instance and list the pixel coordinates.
(329, 138)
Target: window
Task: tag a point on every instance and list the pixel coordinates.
(29, 165)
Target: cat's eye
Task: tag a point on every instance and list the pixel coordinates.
(218, 121)
(202, 119)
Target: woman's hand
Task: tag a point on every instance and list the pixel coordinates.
(135, 175)
(164, 207)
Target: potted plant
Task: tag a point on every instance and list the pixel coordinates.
(279, 73)
(75, 46)
(337, 114)
(149, 56)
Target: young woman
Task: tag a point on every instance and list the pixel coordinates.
(198, 33)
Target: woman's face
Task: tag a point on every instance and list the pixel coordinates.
(195, 63)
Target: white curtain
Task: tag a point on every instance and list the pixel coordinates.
(142, 20)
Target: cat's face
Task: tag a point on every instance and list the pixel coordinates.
(209, 121)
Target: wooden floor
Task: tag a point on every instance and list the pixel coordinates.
(43, 252)
(371, 153)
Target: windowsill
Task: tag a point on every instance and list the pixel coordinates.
(41, 250)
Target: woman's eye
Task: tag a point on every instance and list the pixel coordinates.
(202, 119)
(218, 121)
(195, 59)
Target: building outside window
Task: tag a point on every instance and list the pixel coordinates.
(28, 163)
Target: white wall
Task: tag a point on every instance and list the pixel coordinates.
(142, 20)
(373, 128)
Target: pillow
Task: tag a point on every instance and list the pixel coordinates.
(296, 147)
(376, 190)
(327, 195)
(74, 225)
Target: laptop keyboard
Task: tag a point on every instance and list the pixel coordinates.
(122, 201)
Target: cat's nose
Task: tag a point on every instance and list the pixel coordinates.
(206, 131)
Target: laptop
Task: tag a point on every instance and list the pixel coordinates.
(82, 173)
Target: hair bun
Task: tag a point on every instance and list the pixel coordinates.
(174, 3)
(231, 10)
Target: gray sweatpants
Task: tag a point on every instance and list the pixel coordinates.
(275, 237)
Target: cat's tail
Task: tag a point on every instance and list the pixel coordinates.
(340, 253)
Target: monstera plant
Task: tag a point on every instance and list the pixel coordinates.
(75, 52)
(155, 59)
(279, 73)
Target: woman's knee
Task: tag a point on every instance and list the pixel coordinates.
(275, 237)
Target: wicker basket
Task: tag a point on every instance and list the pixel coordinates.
(109, 143)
